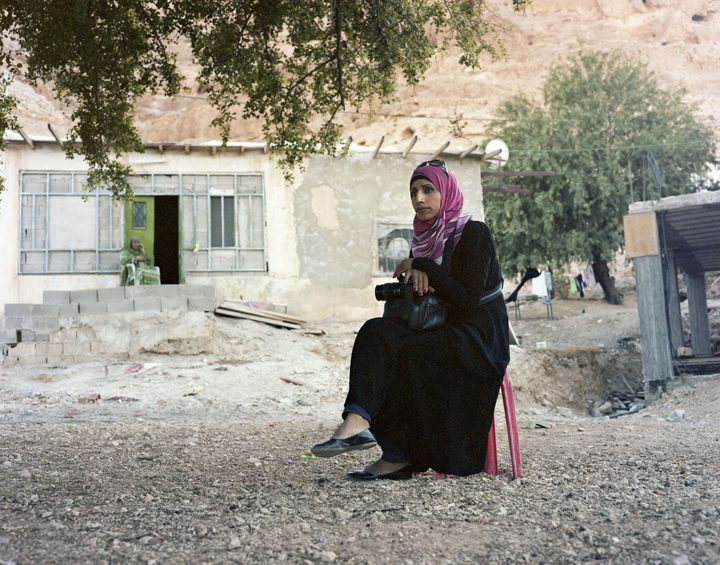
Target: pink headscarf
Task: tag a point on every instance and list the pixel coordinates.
(431, 235)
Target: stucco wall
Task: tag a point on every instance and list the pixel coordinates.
(320, 232)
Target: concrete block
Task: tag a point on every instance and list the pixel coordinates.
(111, 294)
(83, 296)
(71, 310)
(91, 308)
(53, 349)
(124, 305)
(27, 335)
(147, 303)
(10, 361)
(143, 291)
(75, 348)
(8, 336)
(85, 335)
(98, 348)
(197, 291)
(56, 297)
(44, 324)
(176, 303)
(24, 349)
(32, 361)
(201, 304)
(18, 310)
(42, 348)
(17, 323)
(45, 310)
(63, 336)
(168, 290)
(56, 361)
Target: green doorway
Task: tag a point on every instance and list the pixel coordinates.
(155, 220)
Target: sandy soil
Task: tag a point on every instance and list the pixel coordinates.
(205, 459)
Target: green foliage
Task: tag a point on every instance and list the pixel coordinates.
(293, 65)
(602, 115)
(7, 121)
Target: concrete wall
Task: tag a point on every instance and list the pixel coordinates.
(320, 232)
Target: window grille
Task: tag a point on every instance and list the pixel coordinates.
(65, 230)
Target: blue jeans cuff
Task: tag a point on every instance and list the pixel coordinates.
(355, 409)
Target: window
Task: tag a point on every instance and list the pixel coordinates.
(65, 230)
(222, 221)
(60, 232)
(139, 215)
(393, 243)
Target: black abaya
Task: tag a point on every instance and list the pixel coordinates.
(433, 393)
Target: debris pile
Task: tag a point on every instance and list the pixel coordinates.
(617, 403)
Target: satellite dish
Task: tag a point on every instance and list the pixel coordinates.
(496, 153)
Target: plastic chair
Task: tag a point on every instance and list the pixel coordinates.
(132, 274)
(491, 462)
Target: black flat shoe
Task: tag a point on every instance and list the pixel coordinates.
(335, 446)
(400, 475)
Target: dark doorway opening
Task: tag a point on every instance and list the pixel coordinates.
(167, 238)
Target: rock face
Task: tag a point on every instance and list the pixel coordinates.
(677, 39)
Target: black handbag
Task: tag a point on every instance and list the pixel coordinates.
(421, 313)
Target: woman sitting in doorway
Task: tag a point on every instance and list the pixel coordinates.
(137, 267)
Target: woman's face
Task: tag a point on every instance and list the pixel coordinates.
(426, 199)
(135, 244)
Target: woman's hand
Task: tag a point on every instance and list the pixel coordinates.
(420, 281)
(404, 266)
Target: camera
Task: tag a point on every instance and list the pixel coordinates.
(388, 291)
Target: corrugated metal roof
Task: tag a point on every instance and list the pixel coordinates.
(691, 227)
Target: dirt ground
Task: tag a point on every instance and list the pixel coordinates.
(204, 458)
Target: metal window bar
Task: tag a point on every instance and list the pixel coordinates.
(47, 222)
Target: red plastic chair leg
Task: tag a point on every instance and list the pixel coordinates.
(512, 428)
(491, 463)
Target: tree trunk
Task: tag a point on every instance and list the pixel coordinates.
(602, 275)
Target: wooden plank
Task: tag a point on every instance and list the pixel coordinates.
(654, 333)
(697, 308)
(230, 304)
(641, 235)
(245, 316)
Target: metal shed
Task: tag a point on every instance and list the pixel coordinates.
(665, 238)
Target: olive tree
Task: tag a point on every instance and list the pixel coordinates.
(609, 131)
(291, 64)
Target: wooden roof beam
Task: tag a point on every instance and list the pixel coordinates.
(467, 151)
(54, 134)
(379, 145)
(26, 138)
(439, 151)
(413, 141)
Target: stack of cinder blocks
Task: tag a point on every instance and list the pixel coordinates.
(30, 334)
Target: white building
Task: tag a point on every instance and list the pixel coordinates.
(219, 216)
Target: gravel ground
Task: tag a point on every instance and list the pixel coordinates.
(181, 475)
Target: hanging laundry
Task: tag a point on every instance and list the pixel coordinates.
(539, 287)
(580, 285)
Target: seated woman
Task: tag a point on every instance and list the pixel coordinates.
(428, 398)
(134, 258)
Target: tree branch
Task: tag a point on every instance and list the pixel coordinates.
(338, 57)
